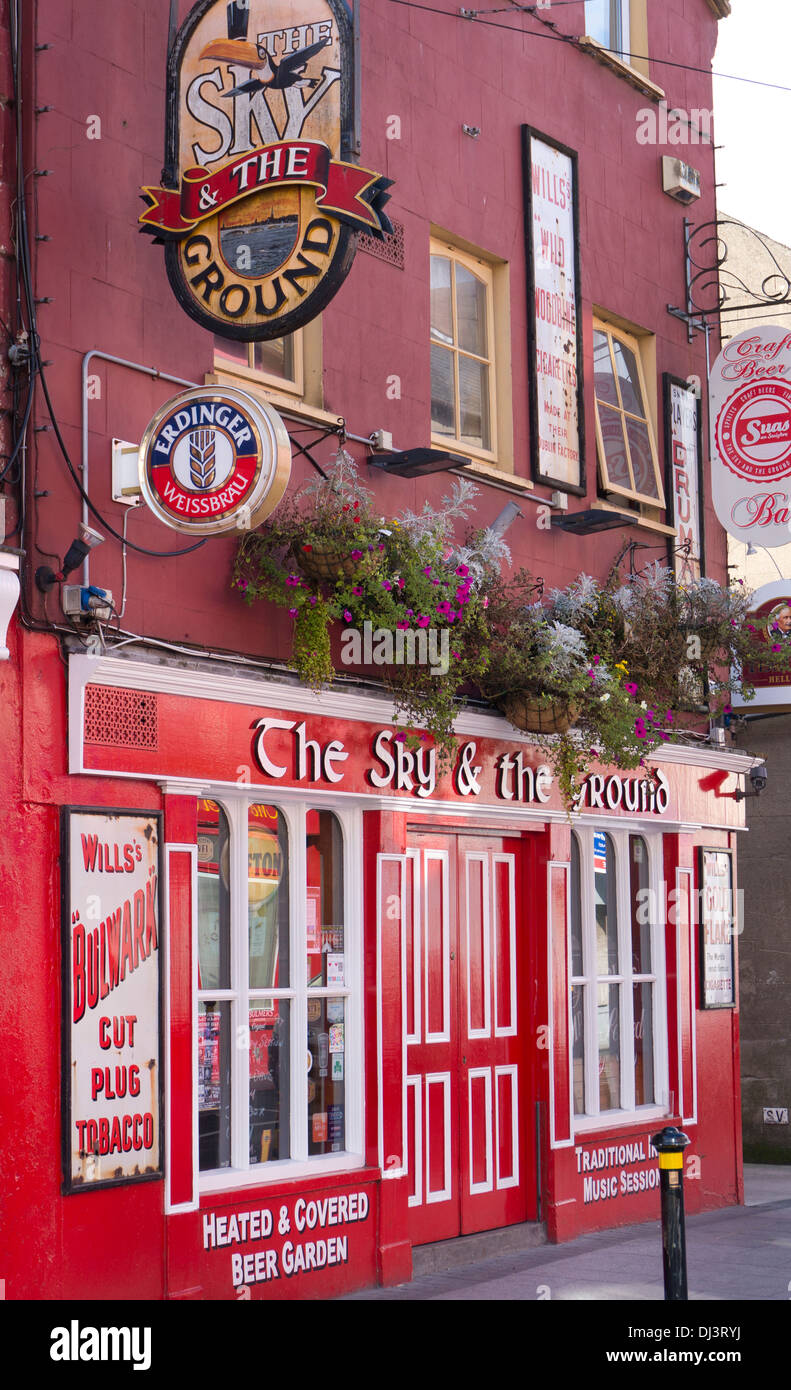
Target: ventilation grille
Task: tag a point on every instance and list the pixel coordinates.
(390, 250)
(120, 718)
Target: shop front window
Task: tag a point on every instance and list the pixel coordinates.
(617, 1038)
(276, 984)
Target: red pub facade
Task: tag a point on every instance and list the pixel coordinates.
(284, 999)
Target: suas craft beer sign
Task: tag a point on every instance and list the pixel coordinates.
(112, 1122)
(259, 206)
(750, 405)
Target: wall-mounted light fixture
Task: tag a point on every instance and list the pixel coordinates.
(85, 541)
(413, 463)
(588, 523)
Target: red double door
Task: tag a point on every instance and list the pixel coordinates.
(467, 1110)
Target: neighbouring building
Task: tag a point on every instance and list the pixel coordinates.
(758, 266)
(331, 1012)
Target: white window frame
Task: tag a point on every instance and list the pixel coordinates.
(241, 1172)
(485, 272)
(614, 334)
(293, 385)
(628, 1112)
(618, 39)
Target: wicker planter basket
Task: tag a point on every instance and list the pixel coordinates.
(325, 564)
(538, 716)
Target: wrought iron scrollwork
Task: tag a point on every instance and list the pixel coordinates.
(713, 288)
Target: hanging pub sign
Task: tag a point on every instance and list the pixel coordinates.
(750, 414)
(214, 460)
(555, 343)
(260, 206)
(684, 476)
(717, 930)
(770, 616)
(111, 1094)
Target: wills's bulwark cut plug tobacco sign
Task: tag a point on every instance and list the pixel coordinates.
(260, 206)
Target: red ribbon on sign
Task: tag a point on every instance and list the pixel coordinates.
(173, 212)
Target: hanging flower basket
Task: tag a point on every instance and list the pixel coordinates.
(538, 714)
(325, 563)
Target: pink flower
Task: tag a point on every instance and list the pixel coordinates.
(386, 584)
(293, 612)
(640, 729)
(400, 738)
(403, 626)
(241, 584)
(630, 688)
(293, 581)
(402, 583)
(423, 620)
(347, 615)
(463, 570)
(357, 555)
(427, 570)
(356, 589)
(777, 647)
(486, 603)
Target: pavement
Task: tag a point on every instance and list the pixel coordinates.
(736, 1254)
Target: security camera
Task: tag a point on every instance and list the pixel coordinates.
(758, 778)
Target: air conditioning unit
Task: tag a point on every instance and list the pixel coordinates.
(680, 180)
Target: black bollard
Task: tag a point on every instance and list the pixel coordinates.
(670, 1144)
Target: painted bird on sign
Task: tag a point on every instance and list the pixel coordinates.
(289, 72)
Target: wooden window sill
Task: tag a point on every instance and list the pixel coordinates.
(287, 405)
(622, 69)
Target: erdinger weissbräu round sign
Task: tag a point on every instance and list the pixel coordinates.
(750, 416)
(213, 461)
(260, 204)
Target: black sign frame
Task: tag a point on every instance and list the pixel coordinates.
(530, 133)
(668, 381)
(703, 850)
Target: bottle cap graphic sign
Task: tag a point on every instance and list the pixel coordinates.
(750, 417)
(260, 204)
(214, 461)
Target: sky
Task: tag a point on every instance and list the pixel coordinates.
(753, 123)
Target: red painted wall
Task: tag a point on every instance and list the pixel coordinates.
(110, 291)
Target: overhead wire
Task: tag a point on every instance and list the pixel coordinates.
(557, 36)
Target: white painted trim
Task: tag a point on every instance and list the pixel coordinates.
(512, 1071)
(444, 1194)
(692, 1118)
(417, 976)
(231, 687)
(398, 1170)
(476, 1074)
(486, 966)
(441, 856)
(555, 1143)
(413, 1084)
(173, 847)
(499, 1030)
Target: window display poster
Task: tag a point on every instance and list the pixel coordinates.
(111, 1092)
(717, 929)
(556, 419)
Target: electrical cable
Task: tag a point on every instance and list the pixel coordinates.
(36, 363)
(559, 37)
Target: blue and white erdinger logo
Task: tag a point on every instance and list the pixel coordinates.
(214, 461)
